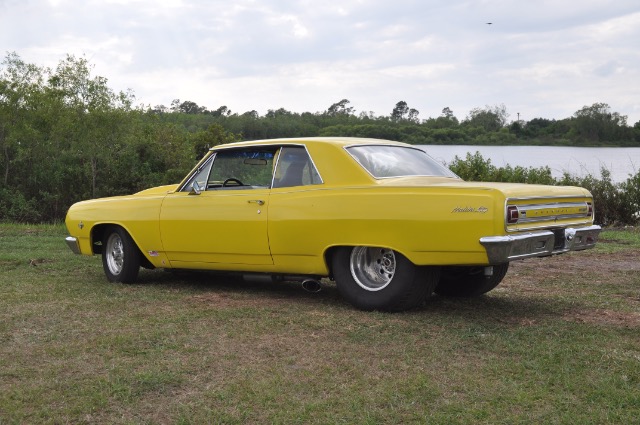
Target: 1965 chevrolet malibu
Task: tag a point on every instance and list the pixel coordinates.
(383, 219)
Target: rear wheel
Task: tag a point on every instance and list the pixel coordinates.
(120, 256)
(469, 281)
(373, 278)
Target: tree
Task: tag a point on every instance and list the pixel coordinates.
(189, 107)
(94, 115)
(21, 87)
(489, 118)
(222, 111)
(447, 113)
(212, 136)
(596, 123)
(446, 120)
(412, 115)
(402, 112)
(340, 108)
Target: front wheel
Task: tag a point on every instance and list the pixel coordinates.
(120, 256)
(374, 278)
(469, 281)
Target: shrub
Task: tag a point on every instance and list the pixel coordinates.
(615, 203)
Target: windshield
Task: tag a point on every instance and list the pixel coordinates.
(398, 161)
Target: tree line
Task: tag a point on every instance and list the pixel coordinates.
(65, 135)
(594, 125)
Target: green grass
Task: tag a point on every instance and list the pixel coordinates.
(556, 343)
(614, 240)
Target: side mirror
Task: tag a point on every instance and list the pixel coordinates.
(195, 188)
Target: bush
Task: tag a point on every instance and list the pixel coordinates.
(14, 207)
(615, 203)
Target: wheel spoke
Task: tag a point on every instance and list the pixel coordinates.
(372, 268)
(115, 254)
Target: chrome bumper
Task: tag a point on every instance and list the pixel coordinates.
(502, 249)
(72, 243)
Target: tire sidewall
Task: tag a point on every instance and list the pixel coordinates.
(391, 298)
(470, 284)
(131, 256)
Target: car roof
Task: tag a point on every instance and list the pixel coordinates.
(336, 141)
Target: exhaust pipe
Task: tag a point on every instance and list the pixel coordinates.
(311, 285)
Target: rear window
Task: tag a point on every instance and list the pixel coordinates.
(398, 161)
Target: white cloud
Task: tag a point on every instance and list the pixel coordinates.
(544, 58)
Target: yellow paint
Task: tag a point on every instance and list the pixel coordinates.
(431, 220)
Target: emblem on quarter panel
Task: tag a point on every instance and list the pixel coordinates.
(478, 210)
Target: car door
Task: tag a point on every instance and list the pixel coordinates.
(220, 215)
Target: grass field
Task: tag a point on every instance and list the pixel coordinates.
(558, 342)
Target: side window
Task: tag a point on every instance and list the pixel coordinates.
(295, 168)
(200, 177)
(242, 169)
(235, 169)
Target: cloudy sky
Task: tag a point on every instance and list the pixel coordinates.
(540, 58)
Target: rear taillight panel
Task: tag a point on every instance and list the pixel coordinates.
(534, 213)
(513, 214)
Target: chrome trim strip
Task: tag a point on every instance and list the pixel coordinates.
(544, 198)
(525, 210)
(547, 224)
(502, 249)
(73, 244)
(536, 207)
(578, 219)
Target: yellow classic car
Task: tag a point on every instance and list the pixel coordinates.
(383, 219)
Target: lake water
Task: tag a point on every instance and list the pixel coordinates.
(621, 162)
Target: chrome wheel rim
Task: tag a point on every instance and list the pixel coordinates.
(372, 268)
(115, 254)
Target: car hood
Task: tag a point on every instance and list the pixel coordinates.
(147, 193)
(159, 190)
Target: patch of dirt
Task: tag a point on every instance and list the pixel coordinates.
(604, 317)
(572, 274)
(534, 282)
(35, 261)
(590, 262)
(224, 300)
(274, 296)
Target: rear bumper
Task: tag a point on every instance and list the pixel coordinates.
(502, 249)
(73, 244)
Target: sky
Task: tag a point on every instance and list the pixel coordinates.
(538, 58)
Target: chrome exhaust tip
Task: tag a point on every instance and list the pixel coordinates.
(311, 285)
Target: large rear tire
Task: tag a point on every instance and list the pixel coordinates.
(120, 256)
(373, 278)
(469, 281)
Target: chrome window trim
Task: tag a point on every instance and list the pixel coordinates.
(277, 148)
(195, 172)
(277, 162)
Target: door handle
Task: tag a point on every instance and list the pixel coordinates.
(256, 201)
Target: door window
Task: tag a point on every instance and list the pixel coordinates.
(236, 169)
(295, 168)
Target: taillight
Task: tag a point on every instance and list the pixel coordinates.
(589, 209)
(512, 214)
